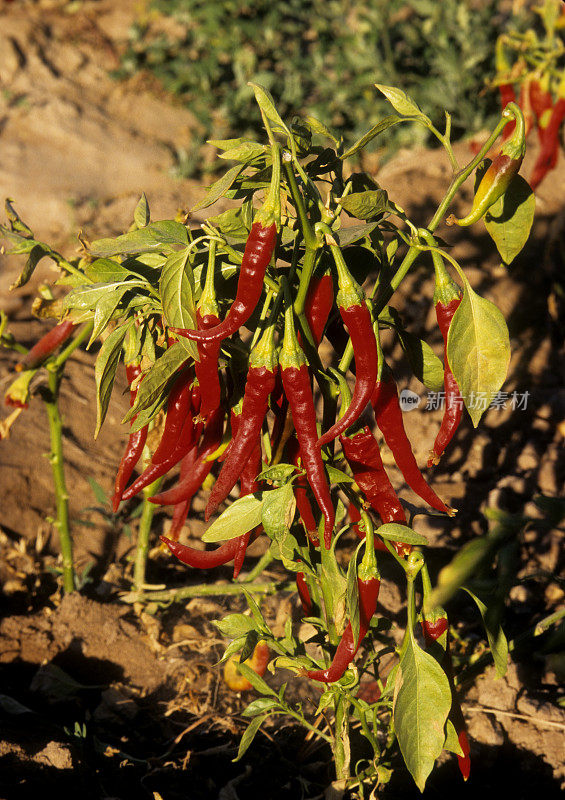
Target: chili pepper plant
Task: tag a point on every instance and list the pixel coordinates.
(252, 348)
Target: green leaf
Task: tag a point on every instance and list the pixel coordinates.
(496, 639)
(352, 596)
(232, 222)
(401, 103)
(16, 222)
(243, 515)
(105, 309)
(451, 743)
(37, 252)
(478, 351)
(141, 215)
(154, 383)
(106, 270)
(395, 532)
(276, 473)
(510, 219)
(219, 188)
(246, 152)
(353, 233)
(155, 236)
(278, 512)
(267, 106)
(88, 297)
(421, 704)
(383, 125)
(235, 625)
(98, 491)
(337, 475)
(255, 680)
(176, 288)
(255, 610)
(463, 565)
(234, 647)
(426, 366)
(105, 372)
(249, 646)
(366, 205)
(249, 735)
(320, 129)
(260, 706)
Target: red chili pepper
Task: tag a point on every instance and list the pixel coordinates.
(134, 447)
(261, 380)
(203, 559)
(550, 143)
(248, 485)
(178, 407)
(318, 305)
(364, 457)
(304, 594)
(187, 488)
(541, 99)
(388, 415)
(257, 254)
(47, 345)
(181, 510)
(300, 485)
(207, 368)
(368, 588)
(453, 400)
(188, 436)
(296, 382)
(357, 318)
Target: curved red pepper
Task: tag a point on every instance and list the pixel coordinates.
(258, 251)
(47, 345)
(388, 415)
(299, 486)
(206, 369)
(347, 647)
(296, 382)
(178, 407)
(364, 457)
(260, 383)
(203, 559)
(550, 144)
(357, 319)
(318, 305)
(189, 486)
(134, 447)
(181, 510)
(453, 400)
(304, 594)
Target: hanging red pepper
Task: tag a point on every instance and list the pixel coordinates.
(388, 415)
(300, 488)
(304, 594)
(541, 99)
(364, 457)
(47, 345)
(318, 305)
(204, 559)
(181, 510)
(296, 382)
(207, 317)
(134, 447)
(248, 485)
(499, 174)
(447, 298)
(258, 251)
(357, 318)
(178, 407)
(261, 379)
(189, 434)
(548, 129)
(189, 486)
(368, 585)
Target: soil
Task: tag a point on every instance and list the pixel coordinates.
(115, 700)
